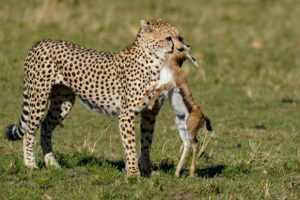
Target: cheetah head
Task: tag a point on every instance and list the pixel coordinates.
(158, 37)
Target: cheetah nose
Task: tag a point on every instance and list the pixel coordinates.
(181, 49)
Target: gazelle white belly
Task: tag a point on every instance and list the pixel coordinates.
(166, 75)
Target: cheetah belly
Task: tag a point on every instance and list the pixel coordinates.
(103, 101)
(111, 108)
(102, 98)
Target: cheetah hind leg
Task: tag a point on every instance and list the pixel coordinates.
(37, 106)
(62, 100)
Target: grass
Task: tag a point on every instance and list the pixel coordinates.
(248, 84)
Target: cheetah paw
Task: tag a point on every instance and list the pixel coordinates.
(151, 105)
(50, 160)
(31, 165)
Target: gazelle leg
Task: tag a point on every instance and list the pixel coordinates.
(147, 92)
(195, 147)
(180, 122)
(158, 91)
(186, 146)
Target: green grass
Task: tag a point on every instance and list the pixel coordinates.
(248, 83)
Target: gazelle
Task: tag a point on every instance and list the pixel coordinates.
(189, 116)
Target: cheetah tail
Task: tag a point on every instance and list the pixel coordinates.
(16, 131)
(208, 124)
(13, 132)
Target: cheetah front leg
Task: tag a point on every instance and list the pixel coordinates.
(126, 127)
(147, 125)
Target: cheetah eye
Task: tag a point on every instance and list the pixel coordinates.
(180, 39)
(169, 38)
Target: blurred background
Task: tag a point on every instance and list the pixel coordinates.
(248, 83)
(251, 44)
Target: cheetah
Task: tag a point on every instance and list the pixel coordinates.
(56, 71)
(189, 116)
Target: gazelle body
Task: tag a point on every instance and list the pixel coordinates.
(189, 116)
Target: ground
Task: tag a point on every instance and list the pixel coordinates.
(247, 83)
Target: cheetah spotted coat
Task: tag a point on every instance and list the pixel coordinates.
(55, 72)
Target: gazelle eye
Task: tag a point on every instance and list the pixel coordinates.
(169, 38)
(180, 39)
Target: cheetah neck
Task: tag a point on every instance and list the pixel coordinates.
(155, 66)
(151, 63)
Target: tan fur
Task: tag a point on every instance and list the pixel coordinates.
(196, 117)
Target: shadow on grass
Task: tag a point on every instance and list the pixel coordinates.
(82, 159)
(210, 172)
(168, 166)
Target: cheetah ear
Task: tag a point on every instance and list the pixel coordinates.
(145, 26)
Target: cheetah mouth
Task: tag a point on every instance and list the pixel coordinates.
(170, 52)
(172, 49)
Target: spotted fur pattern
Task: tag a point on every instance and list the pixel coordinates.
(55, 72)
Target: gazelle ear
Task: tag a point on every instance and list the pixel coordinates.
(145, 25)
